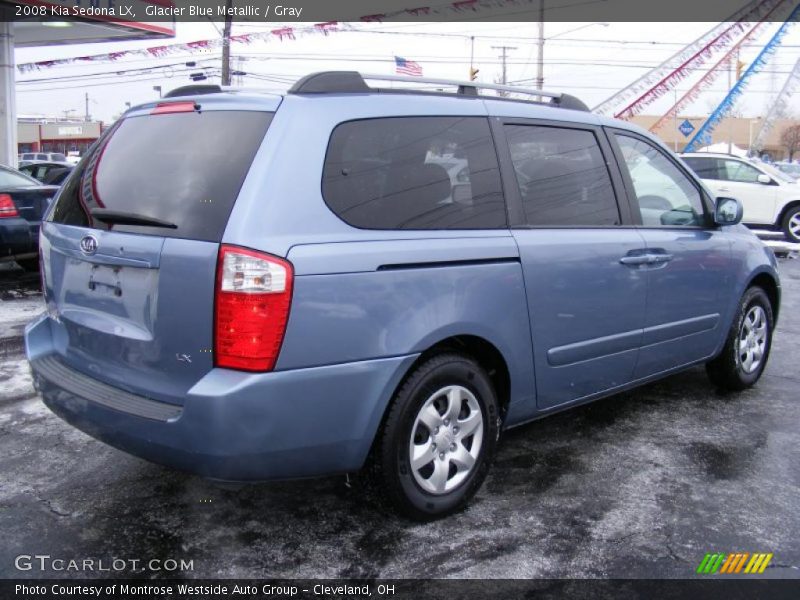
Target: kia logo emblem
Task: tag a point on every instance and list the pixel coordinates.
(88, 244)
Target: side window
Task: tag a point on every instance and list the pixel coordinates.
(414, 173)
(706, 168)
(666, 196)
(733, 170)
(562, 176)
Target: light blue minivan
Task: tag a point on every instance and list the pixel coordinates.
(251, 286)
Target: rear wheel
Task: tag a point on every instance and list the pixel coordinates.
(791, 224)
(746, 351)
(439, 438)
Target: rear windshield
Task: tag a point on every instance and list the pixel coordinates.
(58, 157)
(185, 169)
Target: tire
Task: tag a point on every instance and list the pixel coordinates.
(29, 264)
(746, 350)
(791, 224)
(445, 483)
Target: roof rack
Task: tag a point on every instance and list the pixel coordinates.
(193, 90)
(353, 82)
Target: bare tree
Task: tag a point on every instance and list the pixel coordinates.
(791, 139)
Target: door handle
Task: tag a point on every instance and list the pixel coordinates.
(657, 259)
(641, 259)
(646, 259)
(724, 189)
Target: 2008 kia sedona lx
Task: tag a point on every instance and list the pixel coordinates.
(251, 286)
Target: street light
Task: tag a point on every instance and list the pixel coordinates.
(157, 88)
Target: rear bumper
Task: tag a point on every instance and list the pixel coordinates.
(18, 237)
(232, 426)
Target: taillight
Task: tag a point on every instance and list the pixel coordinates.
(7, 207)
(253, 295)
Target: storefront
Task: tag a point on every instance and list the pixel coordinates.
(61, 136)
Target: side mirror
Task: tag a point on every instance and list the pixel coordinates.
(728, 211)
(765, 179)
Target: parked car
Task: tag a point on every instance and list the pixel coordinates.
(23, 201)
(281, 287)
(43, 157)
(47, 172)
(792, 169)
(770, 198)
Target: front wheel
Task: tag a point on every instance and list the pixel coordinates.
(439, 438)
(791, 224)
(746, 350)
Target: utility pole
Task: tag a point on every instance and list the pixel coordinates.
(471, 52)
(504, 49)
(86, 116)
(540, 57)
(226, 44)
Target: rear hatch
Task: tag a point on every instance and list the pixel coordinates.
(130, 247)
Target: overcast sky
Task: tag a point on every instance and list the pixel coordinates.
(589, 60)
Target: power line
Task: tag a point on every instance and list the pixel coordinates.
(114, 72)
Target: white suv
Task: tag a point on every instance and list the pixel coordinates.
(769, 197)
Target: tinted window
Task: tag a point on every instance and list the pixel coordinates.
(182, 168)
(414, 173)
(58, 157)
(666, 196)
(35, 170)
(706, 168)
(562, 176)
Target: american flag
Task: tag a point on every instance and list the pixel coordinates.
(407, 67)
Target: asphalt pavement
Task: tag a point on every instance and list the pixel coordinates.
(642, 484)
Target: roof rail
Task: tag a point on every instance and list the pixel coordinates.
(193, 90)
(353, 82)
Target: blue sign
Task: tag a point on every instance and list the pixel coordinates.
(686, 128)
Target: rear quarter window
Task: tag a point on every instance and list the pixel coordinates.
(414, 173)
(181, 168)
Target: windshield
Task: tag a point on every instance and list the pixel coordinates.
(776, 173)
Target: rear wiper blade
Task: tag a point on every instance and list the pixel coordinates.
(125, 218)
